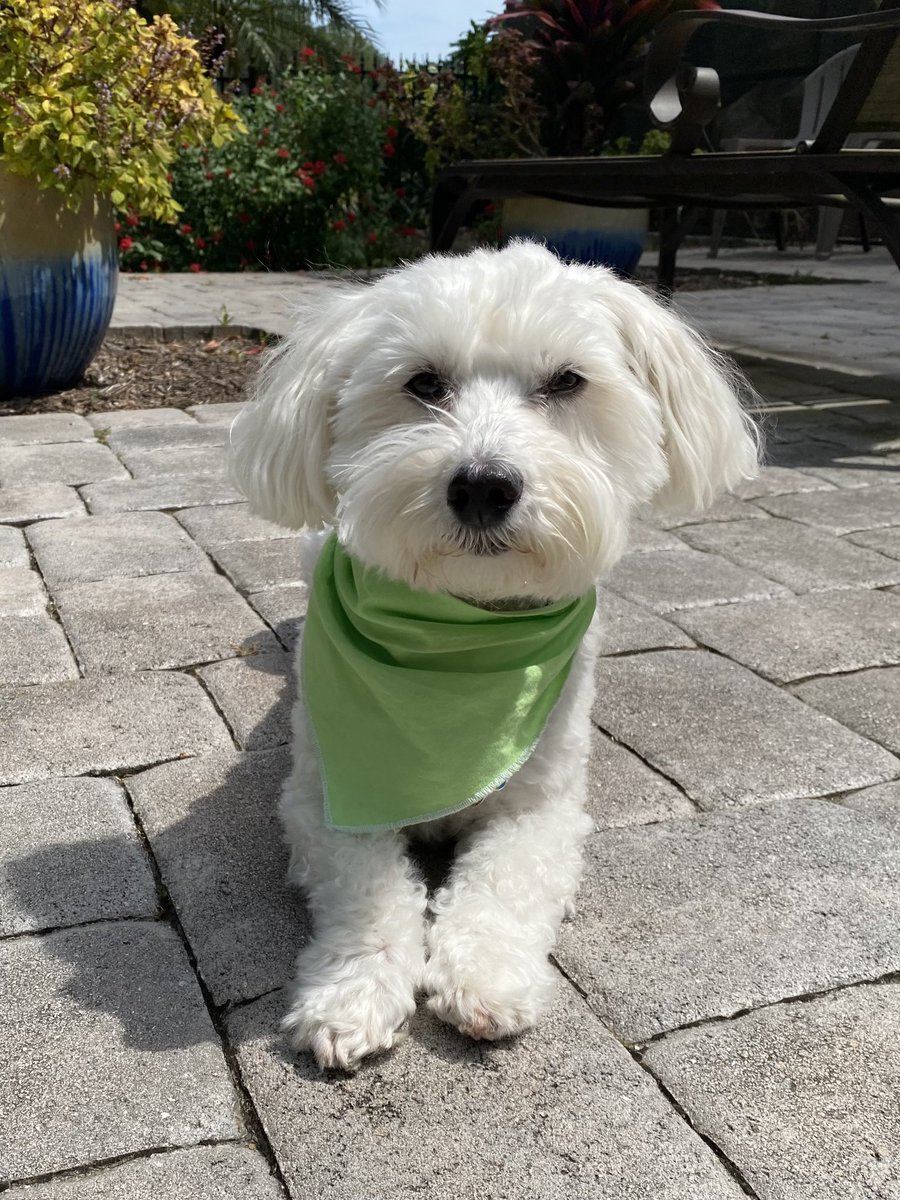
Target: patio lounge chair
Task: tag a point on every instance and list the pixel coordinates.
(830, 170)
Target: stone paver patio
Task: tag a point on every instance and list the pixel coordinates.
(728, 1013)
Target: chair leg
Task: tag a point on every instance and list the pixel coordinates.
(718, 228)
(864, 234)
(668, 252)
(885, 218)
(829, 226)
(778, 230)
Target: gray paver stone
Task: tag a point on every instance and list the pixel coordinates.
(885, 541)
(212, 825)
(255, 694)
(85, 549)
(33, 649)
(562, 1111)
(138, 418)
(69, 462)
(255, 566)
(690, 919)
(802, 1098)
(176, 491)
(221, 1172)
(38, 501)
(666, 581)
(625, 627)
(780, 481)
(622, 790)
(839, 511)
(183, 434)
(817, 634)
(283, 608)
(200, 461)
(882, 803)
(104, 725)
(221, 524)
(13, 551)
(802, 558)
(726, 508)
(646, 535)
(868, 701)
(21, 594)
(838, 466)
(34, 428)
(158, 621)
(726, 736)
(217, 414)
(107, 1049)
(70, 853)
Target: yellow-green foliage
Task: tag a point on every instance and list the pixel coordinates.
(95, 99)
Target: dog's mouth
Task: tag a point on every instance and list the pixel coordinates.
(483, 545)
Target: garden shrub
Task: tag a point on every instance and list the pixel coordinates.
(316, 180)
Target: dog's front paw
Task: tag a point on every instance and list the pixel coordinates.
(350, 1007)
(487, 991)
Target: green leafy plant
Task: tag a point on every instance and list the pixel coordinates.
(314, 182)
(93, 99)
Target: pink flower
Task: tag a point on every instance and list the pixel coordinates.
(195, 267)
(307, 52)
(282, 153)
(125, 243)
(186, 229)
(340, 159)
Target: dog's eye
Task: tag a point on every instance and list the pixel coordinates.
(428, 386)
(564, 383)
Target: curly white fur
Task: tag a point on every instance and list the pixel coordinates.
(335, 438)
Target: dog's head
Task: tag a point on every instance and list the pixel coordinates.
(487, 425)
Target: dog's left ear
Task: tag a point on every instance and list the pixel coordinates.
(281, 441)
(710, 442)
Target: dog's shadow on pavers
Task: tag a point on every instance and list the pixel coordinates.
(211, 823)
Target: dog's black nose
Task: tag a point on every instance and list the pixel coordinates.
(482, 495)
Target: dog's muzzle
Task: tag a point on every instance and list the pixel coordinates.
(482, 495)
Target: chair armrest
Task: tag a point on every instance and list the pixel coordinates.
(683, 99)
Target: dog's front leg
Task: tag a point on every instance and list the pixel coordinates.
(357, 977)
(497, 919)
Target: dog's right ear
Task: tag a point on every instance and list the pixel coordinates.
(280, 441)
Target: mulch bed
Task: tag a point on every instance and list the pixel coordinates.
(133, 374)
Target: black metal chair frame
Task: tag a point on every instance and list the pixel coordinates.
(683, 99)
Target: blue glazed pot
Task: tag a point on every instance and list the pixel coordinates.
(58, 276)
(613, 237)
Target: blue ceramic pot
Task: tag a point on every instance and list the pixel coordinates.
(613, 237)
(58, 276)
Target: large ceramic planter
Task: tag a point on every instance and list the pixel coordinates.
(580, 232)
(58, 276)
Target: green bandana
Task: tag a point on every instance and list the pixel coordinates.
(422, 704)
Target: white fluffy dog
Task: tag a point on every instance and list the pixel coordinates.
(484, 427)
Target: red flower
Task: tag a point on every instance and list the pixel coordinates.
(257, 91)
(209, 175)
(392, 132)
(408, 231)
(125, 243)
(340, 226)
(118, 227)
(186, 229)
(351, 217)
(306, 179)
(169, 177)
(282, 153)
(132, 219)
(388, 149)
(278, 108)
(250, 244)
(243, 217)
(340, 159)
(372, 238)
(143, 264)
(196, 267)
(307, 52)
(200, 243)
(319, 168)
(400, 192)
